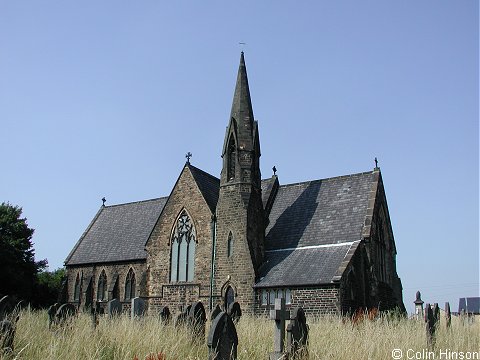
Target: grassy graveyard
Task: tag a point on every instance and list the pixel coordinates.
(330, 338)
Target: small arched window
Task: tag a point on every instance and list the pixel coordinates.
(102, 287)
(232, 158)
(230, 245)
(130, 285)
(76, 290)
(182, 259)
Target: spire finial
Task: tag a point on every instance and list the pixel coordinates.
(274, 170)
(103, 201)
(376, 164)
(188, 156)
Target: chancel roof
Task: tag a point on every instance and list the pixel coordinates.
(117, 233)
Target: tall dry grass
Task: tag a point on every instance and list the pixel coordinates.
(330, 338)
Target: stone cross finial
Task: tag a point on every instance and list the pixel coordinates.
(103, 201)
(279, 314)
(188, 156)
(376, 163)
(274, 170)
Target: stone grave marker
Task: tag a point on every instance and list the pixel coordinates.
(138, 307)
(64, 313)
(52, 311)
(197, 318)
(234, 311)
(436, 314)
(418, 306)
(448, 315)
(430, 325)
(222, 338)
(297, 334)
(7, 335)
(217, 310)
(114, 307)
(7, 305)
(279, 314)
(182, 318)
(164, 314)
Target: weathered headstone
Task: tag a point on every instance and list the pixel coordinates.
(138, 307)
(182, 318)
(418, 306)
(197, 319)
(234, 311)
(7, 335)
(7, 305)
(448, 314)
(436, 315)
(279, 314)
(297, 334)
(52, 311)
(114, 307)
(217, 310)
(430, 325)
(164, 314)
(65, 312)
(222, 339)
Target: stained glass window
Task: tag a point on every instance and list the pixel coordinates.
(130, 285)
(102, 287)
(182, 263)
(76, 291)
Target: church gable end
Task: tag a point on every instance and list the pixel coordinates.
(179, 247)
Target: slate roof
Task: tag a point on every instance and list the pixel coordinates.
(317, 221)
(117, 233)
(208, 184)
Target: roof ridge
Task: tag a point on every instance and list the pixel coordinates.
(136, 202)
(325, 179)
(203, 171)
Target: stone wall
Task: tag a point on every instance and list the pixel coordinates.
(92, 272)
(315, 301)
(161, 291)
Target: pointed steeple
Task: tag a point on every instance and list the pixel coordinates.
(242, 110)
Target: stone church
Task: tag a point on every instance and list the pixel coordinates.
(326, 245)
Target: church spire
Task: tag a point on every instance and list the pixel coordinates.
(242, 110)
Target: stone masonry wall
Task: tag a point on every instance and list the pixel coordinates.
(161, 292)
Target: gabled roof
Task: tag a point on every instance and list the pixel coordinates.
(314, 223)
(208, 184)
(117, 233)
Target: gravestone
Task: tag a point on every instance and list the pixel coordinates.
(164, 314)
(436, 315)
(7, 305)
(418, 306)
(217, 310)
(7, 335)
(64, 313)
(182, 318)
(297, 334)
(197, 318)
(430, 326)
(279, 314)
(114, 307)
(234, 311)
(138, 307)
(222, 338)
(52, 311)
(448, 314)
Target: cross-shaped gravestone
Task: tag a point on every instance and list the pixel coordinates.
(279, 314)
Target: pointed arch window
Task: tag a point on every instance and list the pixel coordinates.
(182, 259)
(76, 290)
(130, 285)
(230, 245)
(232, 158)
(102, 287)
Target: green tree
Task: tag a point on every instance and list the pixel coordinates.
(48, 288)
(18, 268)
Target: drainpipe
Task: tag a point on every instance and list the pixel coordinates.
(213, 225)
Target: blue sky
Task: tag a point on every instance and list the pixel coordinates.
(105, 98)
